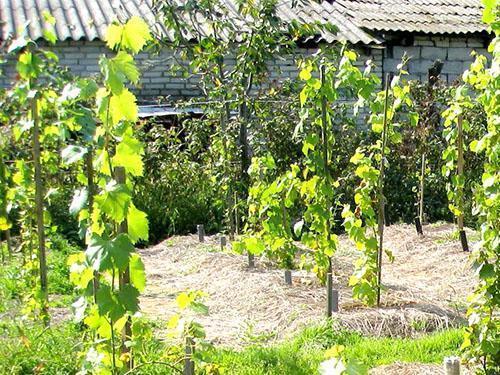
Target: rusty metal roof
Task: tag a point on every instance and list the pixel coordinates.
(88, 19)
(420, 16)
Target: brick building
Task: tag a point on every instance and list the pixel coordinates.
(381, 30)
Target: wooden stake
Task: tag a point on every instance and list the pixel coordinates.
(451, 365)
(188, 357)
(201, 232)
(335, 297)
(3, 208)
(288, 277)
(124, 277)
(89, 170)
(419, 220)
(224, 118)
(251, 260)
(422, 182)
(381, 198)
(223, 242)
(460, 190)
(39, 209)
(324, 140)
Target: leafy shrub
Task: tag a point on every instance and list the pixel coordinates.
(177, 191)
(58, 269)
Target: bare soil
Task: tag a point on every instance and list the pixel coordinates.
(425, 288)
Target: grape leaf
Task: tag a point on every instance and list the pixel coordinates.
(138, 228)
(105, 254)
(132, 36)
(128, 155)
(118, 70)
(79, 200)
(123, 107)
(72, 154)
(137, 273)
(114, 201)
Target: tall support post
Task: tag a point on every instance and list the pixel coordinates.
(188, 357)
(244, 158)
(124, 277)
(3, 208)
(224, 118)
(326, 171)
(89, 171)
(380, 193)
(39, 209)
(419, 220)
(461, 178)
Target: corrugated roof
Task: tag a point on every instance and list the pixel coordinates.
(88, 19)
(422, 16)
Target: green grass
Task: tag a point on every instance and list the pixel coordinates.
(303, 354)
(55, 351)
(31, 349)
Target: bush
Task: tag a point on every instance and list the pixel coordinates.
(58, 269)
(176, 191)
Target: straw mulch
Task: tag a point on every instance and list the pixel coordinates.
(425, 288)
(399, 368)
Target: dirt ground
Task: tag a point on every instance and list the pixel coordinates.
(425, 288)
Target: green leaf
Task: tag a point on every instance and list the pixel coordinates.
(297, 228)
(109, 303)
(105, 254)
(49, 36)
(49, 18)
(4, 223)
(489, 11)
(137, 273)
(79, 307)
(488, 180)
(200, 308)
(72, 154)
(113, 35)
(29, 65)
(254, 245)
(138, 228)
(79, 200)
(357, 157)
(132, 36)
(136, 34)
(114, 201)
(128, 296)
(123, 107)
(118, 70)
(351, 55)
(303, 95)
(305, 74)
(128, 155)
(183, 300)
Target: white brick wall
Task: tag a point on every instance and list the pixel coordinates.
(158, 79)
(454, 51)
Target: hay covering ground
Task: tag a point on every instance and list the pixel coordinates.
(426, 287)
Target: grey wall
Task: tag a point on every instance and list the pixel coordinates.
(454, 51)
(158, 80)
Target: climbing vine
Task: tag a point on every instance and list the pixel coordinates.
(365, 225)
(482, 340)
(110, 273)
(309, 189)
(34, 105)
